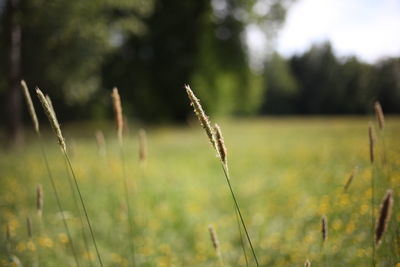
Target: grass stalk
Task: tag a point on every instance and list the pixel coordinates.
(241, 237)
(83, 232)
(128, 207)
(85, 241)
(57, 196)
(371, 136)
(51, 115)
(83, 205)
(217, 141)
(227, 178)
(216, 245)
(119, 121)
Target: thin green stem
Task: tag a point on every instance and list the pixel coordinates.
(80, 217)
(83, 205)
(373, 213)
(240, 214)
(128, 207)
(53, 185)
(241, 237)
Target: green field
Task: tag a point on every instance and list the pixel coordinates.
(286, 172)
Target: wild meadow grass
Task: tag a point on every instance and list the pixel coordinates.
(288, 173)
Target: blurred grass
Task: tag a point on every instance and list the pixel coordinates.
(287, 173)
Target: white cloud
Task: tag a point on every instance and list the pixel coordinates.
(366, 28)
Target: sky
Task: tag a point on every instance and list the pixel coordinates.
(369, 29)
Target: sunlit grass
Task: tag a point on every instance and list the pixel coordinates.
(287, 173)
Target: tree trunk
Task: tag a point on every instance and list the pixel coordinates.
(13, 97)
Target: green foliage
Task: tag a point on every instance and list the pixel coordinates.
(318, 82)
(388, 84)
(64, 44)
(281, 86)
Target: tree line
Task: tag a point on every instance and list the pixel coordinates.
(319, 82)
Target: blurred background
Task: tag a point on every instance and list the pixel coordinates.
(241, 57)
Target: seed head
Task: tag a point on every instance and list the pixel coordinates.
(307, 263)
(350, 179)
(384, 216)
(221, 148)
(31, 108)
(39, 200)
(50, 103)
(214, 237)
(379, 115)
(8, 232)
(29, 227)
(204, 120)
(142, 145)
(116, 99)
(52, 118)
(324, 228)
(101, 142)
(371, 136)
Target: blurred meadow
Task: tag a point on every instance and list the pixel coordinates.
(287, 173)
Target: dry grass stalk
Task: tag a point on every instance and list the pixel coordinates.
(350, 179)
(214, 237)
(52, 118)
(221, 148)
(50, 102)
(119, 120)
(31, 108)
(29, 227)
(371, 136)
(39, 200)
(206, 124)
(324, 228)
(8, 233)
(201, 115)
(384, 216)
(142, 145)
(379, 115)
(216, 245)
(307, 263)
(101, 142)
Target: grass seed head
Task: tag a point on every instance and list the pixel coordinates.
(384, 216)
(39, 200)
(142, 145)
(214, 237)
(52, 118)
(379, 115)
(307, 263)
(324, 228)
(371, 136)
(221, 148)
(31, 108)
(116, 99)
(101, 142)
(8, 233)
(201, 115)
(29, 226)
(350, 179)
(50, 103)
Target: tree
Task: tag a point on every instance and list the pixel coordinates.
(11, 32)
(387, 86)
(318, 76)
(282, 88)
(60, 46)
(195, 41)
